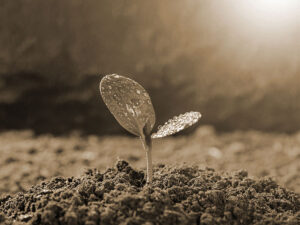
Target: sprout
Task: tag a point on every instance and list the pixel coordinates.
(131, 106)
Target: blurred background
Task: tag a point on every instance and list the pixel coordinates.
(237, 62)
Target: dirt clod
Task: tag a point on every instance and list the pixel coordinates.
(182, 195)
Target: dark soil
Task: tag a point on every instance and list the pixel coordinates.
(181, 195)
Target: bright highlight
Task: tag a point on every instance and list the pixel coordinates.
(270, 12)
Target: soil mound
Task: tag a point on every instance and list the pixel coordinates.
(178, 195)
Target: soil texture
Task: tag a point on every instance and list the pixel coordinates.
(178, 195)
(27, 159)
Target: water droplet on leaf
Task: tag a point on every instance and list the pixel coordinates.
(177, 124)
(116, 97)
(123, 98)
(135, 102)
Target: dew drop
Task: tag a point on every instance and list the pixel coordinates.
(127, 101)
(135, 102)
(177, 124)
(130, 110)
(116, 97)
(121, 90)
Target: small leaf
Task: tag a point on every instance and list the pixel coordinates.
(177, 124)
(129, 103)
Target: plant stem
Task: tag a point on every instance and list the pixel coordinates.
(147, 143)
(149, 165)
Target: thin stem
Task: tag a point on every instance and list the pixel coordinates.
(149, 164)
(147, 144)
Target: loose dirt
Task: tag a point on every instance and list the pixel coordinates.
(178, 195)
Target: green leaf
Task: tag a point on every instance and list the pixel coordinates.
(129, 103)
(177, 124)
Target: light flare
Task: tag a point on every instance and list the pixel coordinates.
(270, 13)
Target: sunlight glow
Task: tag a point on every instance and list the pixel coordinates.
(270, 13)
(273, 8)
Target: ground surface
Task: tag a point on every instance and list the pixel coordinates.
(28, 160)
(181, 195)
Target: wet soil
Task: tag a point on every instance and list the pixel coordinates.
(178, 195)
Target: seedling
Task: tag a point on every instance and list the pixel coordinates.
(131, 106)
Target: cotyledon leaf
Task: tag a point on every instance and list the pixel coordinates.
(177, 124)
(129, 103)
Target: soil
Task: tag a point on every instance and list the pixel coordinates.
(182, 195)
(52, 180)
(27, 159)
